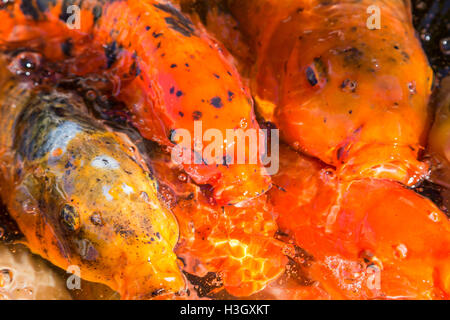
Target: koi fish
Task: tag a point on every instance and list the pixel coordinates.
(340, 88)
(156, 58)
(81, 194)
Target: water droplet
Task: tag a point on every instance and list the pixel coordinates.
(243, 123)
(425, 36)
(29, 207)
(412, 87)
(434, 216)
(445, 46)
(167, 196)
(401, 251)
(91, 95)
(182, 177)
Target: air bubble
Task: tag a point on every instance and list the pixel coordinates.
(425, 36)
(401, 251)
(91, 95)
(445, 46)
(243, 123)
(412, 87)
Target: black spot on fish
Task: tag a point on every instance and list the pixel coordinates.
(352, 57)
(179, 93)
(172, 90)
(196, 115)
(70, 218)
(177, 21)
(340, 154)
(156, 35)
(181, 114)
(111, 52)
(147, 28)
(96, 219)
(135, 70)
(216, 75)
(216, 102)
(230, 96)
(311, 76)
(185, 30)
(68, 165)
(173, 65)
(124, 231)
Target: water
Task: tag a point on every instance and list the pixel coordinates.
(432, 20)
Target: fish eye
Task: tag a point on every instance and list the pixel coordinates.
(70, 218)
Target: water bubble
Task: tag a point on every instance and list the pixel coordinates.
(401, 251)
(243, 123)
(91, 95)
(445, 46)
(29, 207)
(434, 216)
(182, 177)
(425, 36)
(144, 196)
(412, 87)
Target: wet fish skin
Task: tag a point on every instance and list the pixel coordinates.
(81, 196)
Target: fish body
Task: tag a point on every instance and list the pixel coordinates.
(81, 195)
(235, 242)
(156, 58)
(370, 238)
(340, 88)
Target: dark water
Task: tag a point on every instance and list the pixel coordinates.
(431, 19)
(8, 227)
